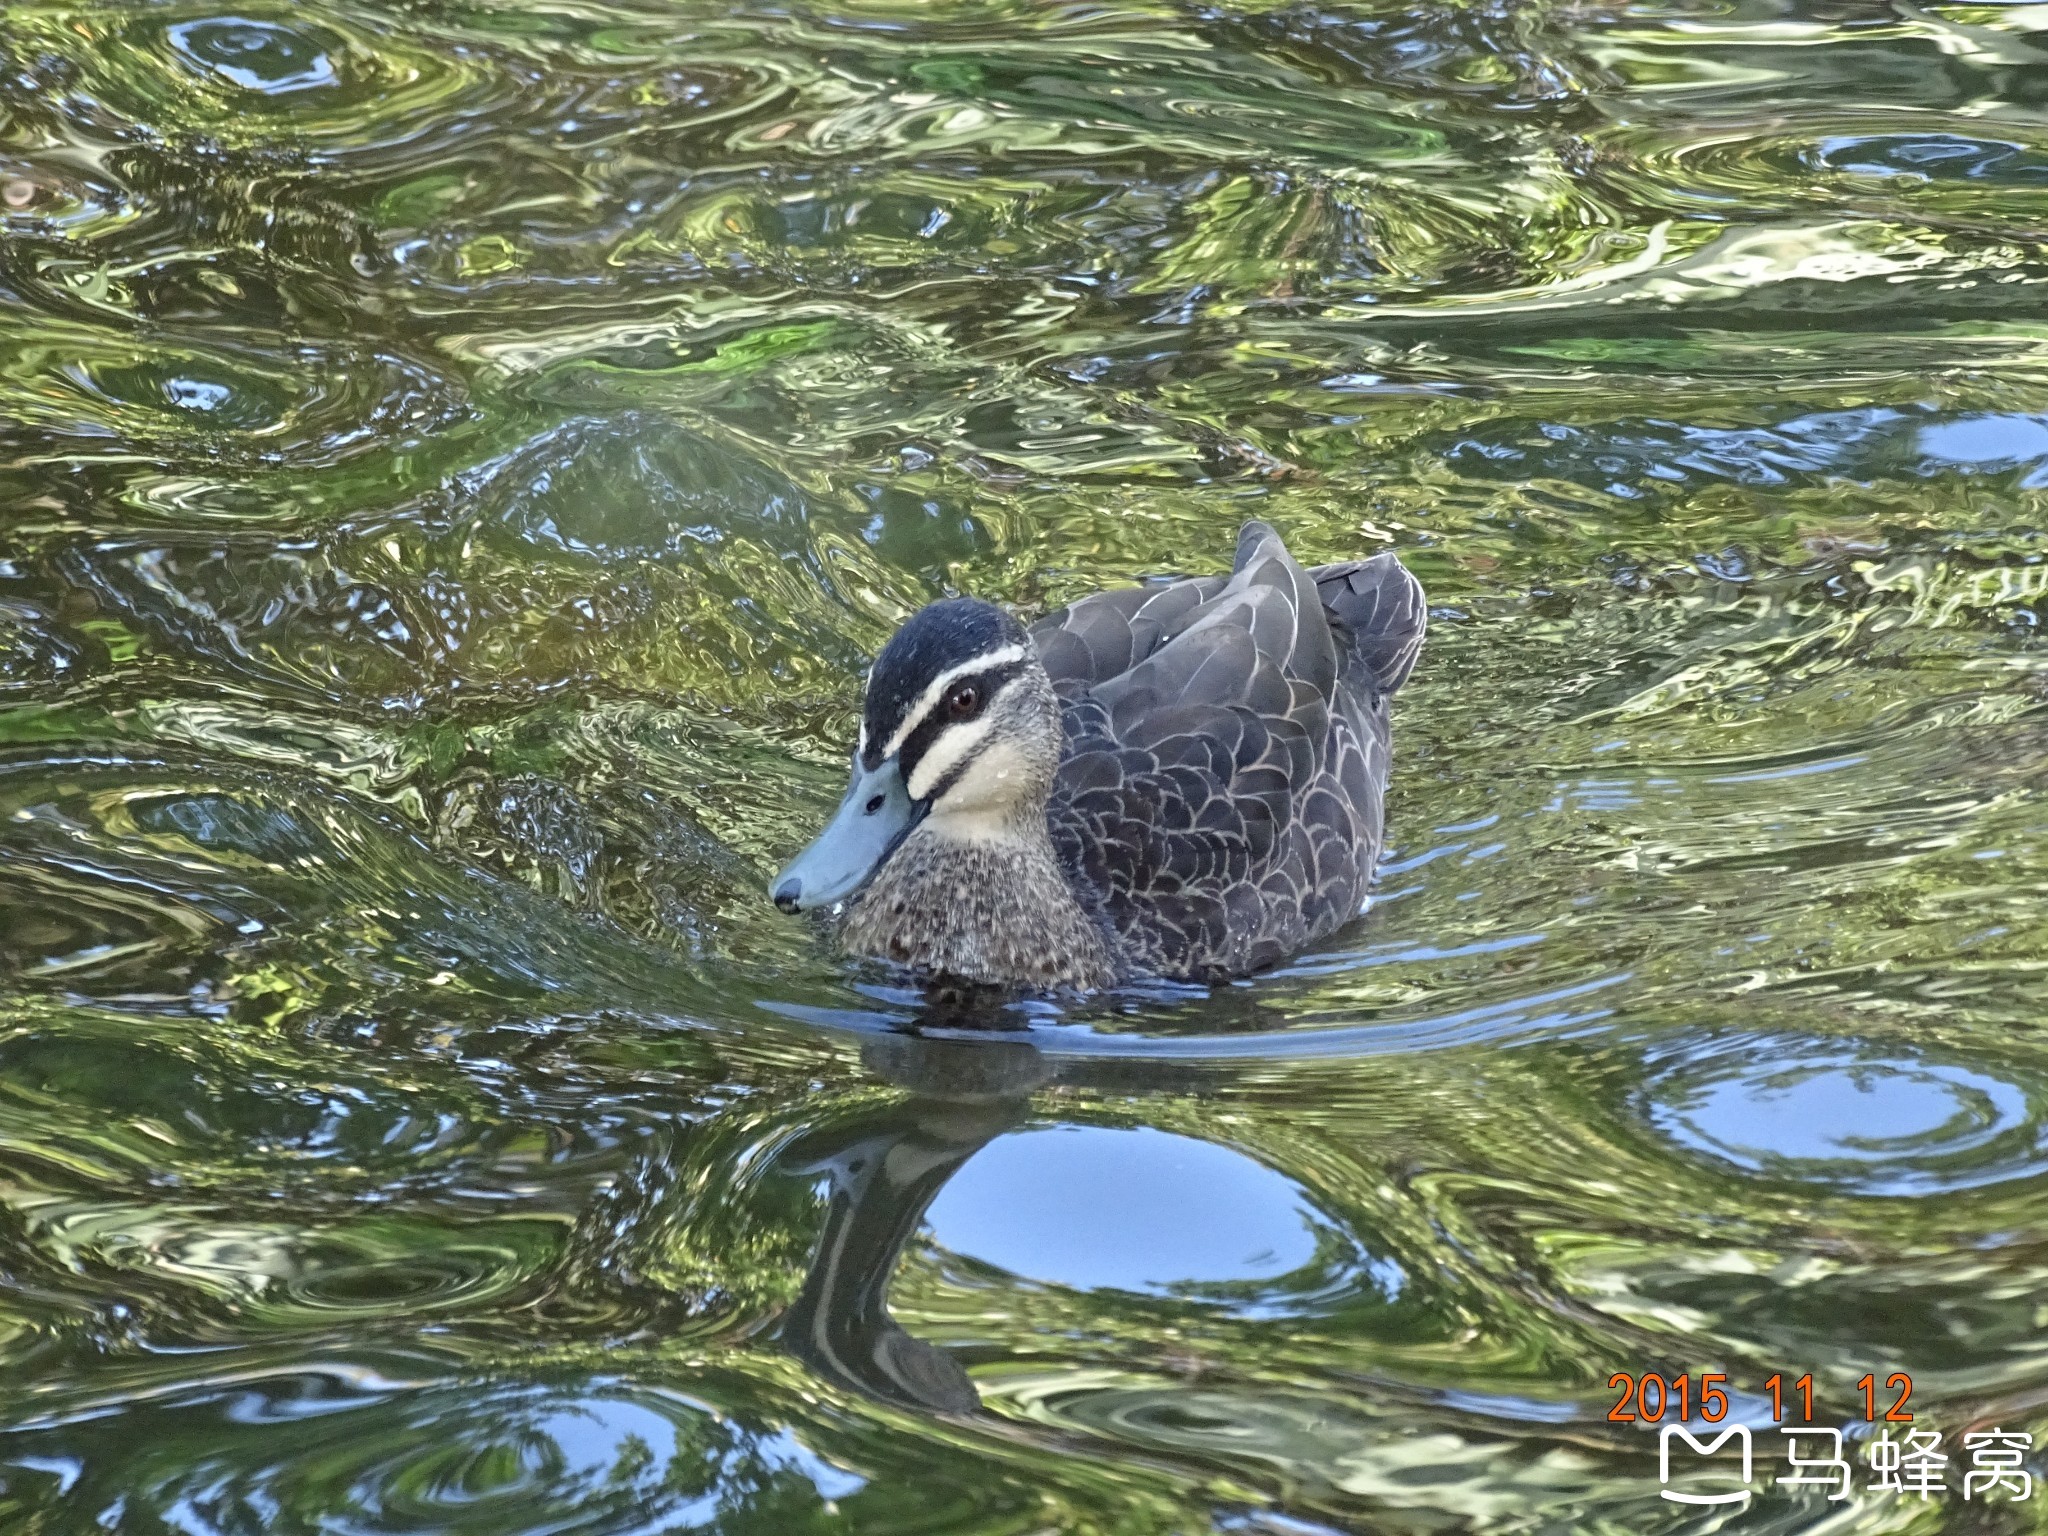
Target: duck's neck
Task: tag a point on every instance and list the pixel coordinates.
(982, 898)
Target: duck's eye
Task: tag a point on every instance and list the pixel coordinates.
(963, 701)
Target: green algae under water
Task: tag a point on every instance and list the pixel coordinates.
(455, 461)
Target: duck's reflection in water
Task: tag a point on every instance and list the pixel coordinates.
(883, 1168)
(884, 1171)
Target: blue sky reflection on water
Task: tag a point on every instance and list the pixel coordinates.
(1134, 1210)
(1909, 1127)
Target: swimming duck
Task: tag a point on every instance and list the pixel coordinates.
(1182, 779)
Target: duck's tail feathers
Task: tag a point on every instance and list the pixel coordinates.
(1379, 612)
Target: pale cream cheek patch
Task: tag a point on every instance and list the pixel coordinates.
(953, 748)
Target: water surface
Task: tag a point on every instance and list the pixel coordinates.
(456, 460)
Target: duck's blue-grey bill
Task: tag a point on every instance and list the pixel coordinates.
(869, 823)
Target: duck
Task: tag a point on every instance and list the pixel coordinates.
(1182, 780)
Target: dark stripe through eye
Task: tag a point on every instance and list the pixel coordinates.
(983, 686)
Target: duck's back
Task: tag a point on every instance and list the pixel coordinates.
(1220, 797)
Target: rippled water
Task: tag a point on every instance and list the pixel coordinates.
(456, 459)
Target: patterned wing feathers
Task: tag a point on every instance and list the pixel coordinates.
(1222, 784)
(1378, 609)
(1107, 633)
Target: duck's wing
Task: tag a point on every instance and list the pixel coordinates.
(1379, 613)
(1197, 795)
(1107, 633)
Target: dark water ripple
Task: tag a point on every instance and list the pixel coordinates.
(455, 463)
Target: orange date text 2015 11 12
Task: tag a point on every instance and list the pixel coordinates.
(1648, 1397)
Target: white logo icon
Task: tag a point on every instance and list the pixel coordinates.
(1740, 1432)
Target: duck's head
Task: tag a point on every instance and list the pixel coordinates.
(961, 729)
